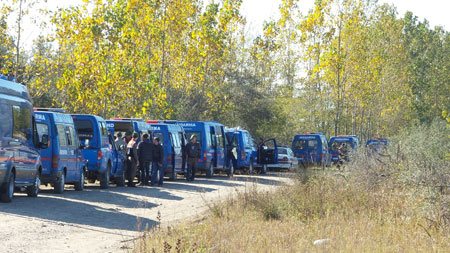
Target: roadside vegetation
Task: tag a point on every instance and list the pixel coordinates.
(395, 201)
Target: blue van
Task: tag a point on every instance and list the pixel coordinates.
(377, 145)
(127, 126)
(244, 149)
(105, 160)
(247, 154)
(62, 160)
(20, 163)
(311, 148)
(336, 141)
(172, 138)
(213, 142)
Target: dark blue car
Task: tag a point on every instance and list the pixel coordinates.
(62, 160)
(105, 160)
(20, 163)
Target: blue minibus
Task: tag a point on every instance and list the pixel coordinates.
(247, 154)
(172, 138)
(351, 142)
(213, 142)
(311, 148)
(62, 160)
(105, 160)
(20, 163)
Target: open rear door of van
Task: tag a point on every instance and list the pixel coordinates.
(269, 152)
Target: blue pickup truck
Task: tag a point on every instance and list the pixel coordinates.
(20, 163)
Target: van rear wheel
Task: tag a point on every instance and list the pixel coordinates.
(79, 186)
(7, 195)
(251, 167)
(210, 171)
(104, 181)
(173, 175)
(59, 184)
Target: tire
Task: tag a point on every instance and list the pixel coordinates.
(210, 171)
(251, 168)
(120, 180)
(104, 181)
(79, 186)
(59, 184)
(7, 195)
(173, 176)
(230, 171)
(264, 169)
(33, 190)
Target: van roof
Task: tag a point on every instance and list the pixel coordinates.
(58, 117)
(14, 89)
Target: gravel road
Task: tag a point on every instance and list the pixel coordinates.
(98, 220)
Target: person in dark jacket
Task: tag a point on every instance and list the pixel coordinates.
(157, 162)
(193, 153)
(132, 160)
(145, 153)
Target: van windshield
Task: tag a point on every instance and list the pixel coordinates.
(197, 134)
(84, 128)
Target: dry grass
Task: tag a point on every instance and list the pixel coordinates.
(292, 218)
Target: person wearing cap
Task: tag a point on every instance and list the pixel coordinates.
(145, 153)
(193, 153)
(120, 143)
(133, 160)
(157, 162)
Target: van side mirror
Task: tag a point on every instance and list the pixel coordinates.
(44, 142)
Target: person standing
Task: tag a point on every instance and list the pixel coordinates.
(157, 162)
(193, 154)
(133, 160)
(145, 153)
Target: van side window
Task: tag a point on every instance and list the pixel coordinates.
(103, 129)
(219, 137)
(21, 123)
(61, 135)
(313, 144)
(5, 120)
(73, 136)
(42, 129)
(160, 136)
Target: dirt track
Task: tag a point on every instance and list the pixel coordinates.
(108, 220)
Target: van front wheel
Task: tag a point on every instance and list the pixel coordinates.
(33, 190)
(7, 195)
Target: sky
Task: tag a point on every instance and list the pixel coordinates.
(258, 11)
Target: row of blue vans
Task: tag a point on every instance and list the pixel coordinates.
(314, 148)
(46, 146)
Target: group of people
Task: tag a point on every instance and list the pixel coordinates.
(143, 157)
(147, 158)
